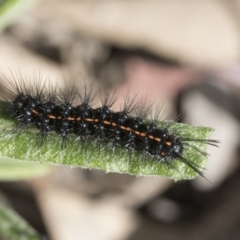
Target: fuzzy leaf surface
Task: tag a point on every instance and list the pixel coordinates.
(26, 145)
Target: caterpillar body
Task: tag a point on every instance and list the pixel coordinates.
(49, 109)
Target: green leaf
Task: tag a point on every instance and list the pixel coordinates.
(25, 145)
(12, 169)
(13, 227)
(11, 9)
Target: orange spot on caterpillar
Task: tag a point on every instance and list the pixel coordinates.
(52, 117)
(114, 124)
(143, 134)
(123, 128)
(35, 112)
(89, 119)
(126, 128)
(157, 139)
(70, 118)
(168, 143)
(106, 122)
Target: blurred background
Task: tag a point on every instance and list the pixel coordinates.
(184, 54)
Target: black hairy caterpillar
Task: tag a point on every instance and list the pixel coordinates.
(49, 110)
